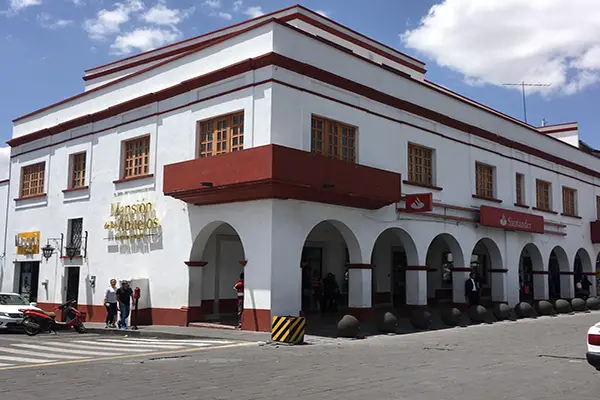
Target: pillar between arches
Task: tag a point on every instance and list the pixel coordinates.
(567, 284)
(360, 291)
(499, 285)
(541, 290)
(416, 285)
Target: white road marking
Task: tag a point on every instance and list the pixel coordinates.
(5, 365)
(35, 353)
(132, 344)
(68, 351)
(25, 360)
(181, 341)
(90, 345)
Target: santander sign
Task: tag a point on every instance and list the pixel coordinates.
(510, 220)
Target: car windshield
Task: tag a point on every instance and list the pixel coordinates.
(12, 300)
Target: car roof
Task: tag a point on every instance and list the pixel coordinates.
(17, 294)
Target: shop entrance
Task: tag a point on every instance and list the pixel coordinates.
(312, 274)
(526, 278)
(28, 280)
(72, 284)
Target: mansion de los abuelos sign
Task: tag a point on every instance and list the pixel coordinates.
(132, 221)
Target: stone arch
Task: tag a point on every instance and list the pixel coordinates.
(586, 261)
(354, 250)
(583, 266)
(217, 258)
(393, 251)
(486, 261)
(444, 254)
(530, 262)
(558, 262)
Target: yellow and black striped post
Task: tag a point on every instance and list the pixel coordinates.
(288, 330)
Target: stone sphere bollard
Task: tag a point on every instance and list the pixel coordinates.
(477, 314)
(348, 326)
(544, 307)
(578, 304)
(451, 316)
(593, 303)
(562, 306)
(388, 323)
(420, 319)
(523, 310)
(502, 311)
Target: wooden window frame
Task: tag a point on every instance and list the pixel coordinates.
(538, 205)
(38, 169)
(145, 166)
(427, 175)
(520, 189)
(485, 193)
(333, 148)
(229, 139)
(77, 181)
(569, 209)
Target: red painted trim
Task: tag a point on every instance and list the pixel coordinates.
(423, 185)
(457, 269)
(304, 69)
(37, 196)
(75, 189)
(420, 268)
(475, 196)
(559, 130)
(571, 216)
(522, 205)
(366, 314)
(498, 270)
(443, 216)
(540, 272)
(360, 266)
(195, 263)
(67, 257)
(589, 273)
(555, 233)
(134, 178)
(544, 211)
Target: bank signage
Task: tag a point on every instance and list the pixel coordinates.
(510, 220)
(132, 221)
(418, 202)
(28, 243)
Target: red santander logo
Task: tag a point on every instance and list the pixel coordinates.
(515, 223)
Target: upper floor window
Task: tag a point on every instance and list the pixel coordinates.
(520, 188)
(221, 135)
(543, 198)
(484, 180)
(32, 179)
(420, 164)
(75, 234)
(77, 170)
(333, 139)
(137, 157)
(569, 201)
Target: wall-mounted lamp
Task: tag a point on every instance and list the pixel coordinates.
(45, 284)
(93, 281)
(48, 250)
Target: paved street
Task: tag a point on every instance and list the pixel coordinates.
(528, 359)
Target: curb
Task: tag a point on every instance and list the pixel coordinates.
(154, 334)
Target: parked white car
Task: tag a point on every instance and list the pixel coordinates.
(10, 304)
(593, 346)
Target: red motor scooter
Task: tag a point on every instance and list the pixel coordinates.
(37, 321)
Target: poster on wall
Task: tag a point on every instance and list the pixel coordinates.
(28, 243)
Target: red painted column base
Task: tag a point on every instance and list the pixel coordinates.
(362, 314)
(256, 320)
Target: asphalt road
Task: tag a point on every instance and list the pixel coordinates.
(528, 359)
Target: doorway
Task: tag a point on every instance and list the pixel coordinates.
(312, 263)
(398, 288)
(28, 280)
(72, 284)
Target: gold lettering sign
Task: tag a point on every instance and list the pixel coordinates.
(132, 221)
(28, 243)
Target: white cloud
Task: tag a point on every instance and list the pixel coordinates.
(225, 15)
(48, 22)
(212, 3)
(78, 3)
(109, 22)
(237, 5)
(4, 162)
(143, 39)
(506, 41)
(254, 12)
(160, 14)
(323, 13)
(17, 5)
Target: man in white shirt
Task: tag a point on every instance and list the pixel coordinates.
(472, 289)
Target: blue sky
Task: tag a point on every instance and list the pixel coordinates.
(470, 47)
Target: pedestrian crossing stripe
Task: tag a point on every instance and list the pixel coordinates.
(44, 353)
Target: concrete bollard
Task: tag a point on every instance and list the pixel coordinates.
(451, 316)
(477, 314)
(562, 306)
(544, 307)
(420, 319)
(502, 311)
(523, 310)
(578, 305)
(348, 326)
(593, 303)
(388, 323)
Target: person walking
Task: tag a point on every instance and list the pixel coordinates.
(472, 288)
(124, 294)
(239, 289)
(110, 302)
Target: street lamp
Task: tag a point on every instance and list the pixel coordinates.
(48, 249)
(71, 251)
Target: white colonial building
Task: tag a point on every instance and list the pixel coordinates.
(284, 144)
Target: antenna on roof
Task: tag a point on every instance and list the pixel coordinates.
(543, 122)
(523, 84)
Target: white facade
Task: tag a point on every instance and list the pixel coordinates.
(268, 235)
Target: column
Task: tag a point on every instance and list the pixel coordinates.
(459, 277)
(541, 290)
(567, 284)
(360, 291)
(499, 285)
(511, 261)
(416, 285)
(194, 312)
